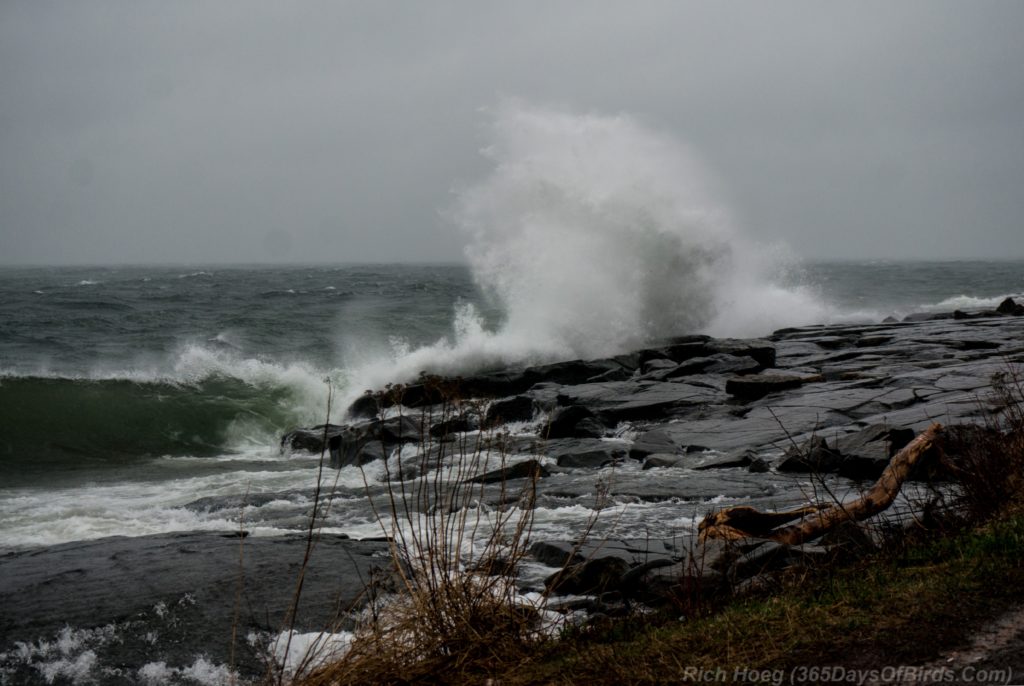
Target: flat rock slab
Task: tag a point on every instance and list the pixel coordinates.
(183, 588)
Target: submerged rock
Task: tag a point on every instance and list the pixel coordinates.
(530, 469)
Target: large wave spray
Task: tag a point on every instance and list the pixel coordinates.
(595, 234)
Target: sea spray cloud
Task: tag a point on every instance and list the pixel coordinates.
(595, 234)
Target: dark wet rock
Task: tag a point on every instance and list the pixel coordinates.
(620, 374)
(758, 466)
(1010, 307)
(555, 553)
(619, 401)
(574, 421)
(717, 364)
(650, 442)
(657, 365)
(866, 453)
(364, 407)
(872, 341)
(356, 443)
(181, 587)
(409, 395)
(687, 348)
(592, 427)
(355, 452)
(589, 577)
(454, 425)
(927, 316)
(736, 461)
(760, 350)
(530, 469)
(518, 408)
(571, 372)
(832, 342)
(770, 556)
(579, 371)
(656, 460)
(814, 456)
(215, 503)
(627, 486)
(677, 584)
(311, 440)
(587, 452)
(760, 385)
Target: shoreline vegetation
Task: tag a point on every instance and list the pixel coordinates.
(840, 589)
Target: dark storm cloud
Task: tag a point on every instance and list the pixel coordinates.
(154, 131)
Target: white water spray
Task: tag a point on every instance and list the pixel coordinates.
(596, 235)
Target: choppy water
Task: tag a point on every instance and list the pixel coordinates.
(118, 383)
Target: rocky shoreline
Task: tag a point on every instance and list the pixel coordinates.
(691, 420)
(755, 418)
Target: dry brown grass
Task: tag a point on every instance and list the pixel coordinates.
(987, 462)
(451, 606)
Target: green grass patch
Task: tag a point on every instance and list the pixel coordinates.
(883, 610)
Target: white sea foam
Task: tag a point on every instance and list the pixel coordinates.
(201, 671)
(34, 517)
(594, 235)
(970, 302)
(295, 651)
(70, 656)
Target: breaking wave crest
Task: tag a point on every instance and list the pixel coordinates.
(206, 402)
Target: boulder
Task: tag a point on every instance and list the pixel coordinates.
(1010, 307)
(351, 451)
(663, 460)
(762, 351)
(585, 453)
(410, 395)
(364, 407)
(574, 421)
(650, 442)
(454, 425)
(555, 553)
(518, 408)
(590, 577)
(741, 459)
(356, 443)
(530, 469)
(814, 456)
(312, 439)
(866, 453)
(758, 466)
(759, 385)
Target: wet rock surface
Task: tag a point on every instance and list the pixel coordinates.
(192, 591)
(731, 420)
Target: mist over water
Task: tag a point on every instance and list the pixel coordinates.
(592, 235)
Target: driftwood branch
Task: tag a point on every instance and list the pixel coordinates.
(741, 522)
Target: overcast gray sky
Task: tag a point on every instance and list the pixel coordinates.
(336, 131)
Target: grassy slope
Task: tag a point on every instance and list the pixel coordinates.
(901, 609)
